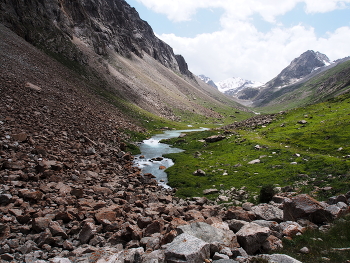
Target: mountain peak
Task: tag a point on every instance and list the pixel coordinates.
(299, 68)
(207, 80)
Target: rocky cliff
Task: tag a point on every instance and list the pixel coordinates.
(101, 24)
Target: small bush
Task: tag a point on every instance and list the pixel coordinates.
(266, 193)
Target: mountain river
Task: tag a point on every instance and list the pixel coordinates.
(153, 149)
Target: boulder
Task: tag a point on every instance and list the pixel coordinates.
(210, 234)
(268, 212)
(272, 243)
(236, 212)
(210, 191)
(252, 236)
(5, 199)
(215, 138)
(57, 230)
(31, 195)
(199, 172)
(87, 232)
(156, 226)
(291, 228)
(304, 206)
(187, 248)
(156, 256)
(280, 258)
(40, 224)
(235, 225)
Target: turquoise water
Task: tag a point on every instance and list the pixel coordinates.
(152, 148)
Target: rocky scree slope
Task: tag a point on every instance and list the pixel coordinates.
(118, 50)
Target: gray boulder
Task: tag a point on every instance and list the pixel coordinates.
(268, 212)
(210, 234)
(187, 248)
(252, 236)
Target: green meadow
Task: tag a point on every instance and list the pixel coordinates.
(306, 149)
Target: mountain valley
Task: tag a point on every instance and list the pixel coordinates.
(82, 83)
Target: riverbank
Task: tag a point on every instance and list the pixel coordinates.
(152, 160)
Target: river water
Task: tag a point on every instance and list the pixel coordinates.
(152, 148)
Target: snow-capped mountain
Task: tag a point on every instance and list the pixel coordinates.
(233, 86)
(207, 80)
(307, 63)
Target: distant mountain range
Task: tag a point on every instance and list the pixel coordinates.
(233, 86)
(308, 65)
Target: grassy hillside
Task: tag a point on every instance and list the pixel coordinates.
(307, 149)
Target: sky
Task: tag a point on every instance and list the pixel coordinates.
(251, 39)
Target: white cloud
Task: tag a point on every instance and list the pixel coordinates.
(252, 55)
(239, 49)
(182, 10)
(323, 6)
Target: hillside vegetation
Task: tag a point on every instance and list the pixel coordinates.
(306, 149)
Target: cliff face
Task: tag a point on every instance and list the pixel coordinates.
(101, 24)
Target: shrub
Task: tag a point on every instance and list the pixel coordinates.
(266, 193)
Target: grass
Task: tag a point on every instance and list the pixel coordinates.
(322, 245)
(307, 157)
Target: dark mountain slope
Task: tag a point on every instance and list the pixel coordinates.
(108, 43)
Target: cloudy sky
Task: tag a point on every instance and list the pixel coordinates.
(251, 39)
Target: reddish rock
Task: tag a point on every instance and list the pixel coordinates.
(291, 229)
(194, 215)
(65, 216)
(156, 226)
(143, 222)
(103, 215)
(102, 190)
(4, 231)
(78, 193)
(87, 232)
(239, 213)
(272, 243)
(31, 195)
(57, 230)
(168, 237)
(21, 137)
(40, 224)
(305, 207)
(13, 165)
(45, 238)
